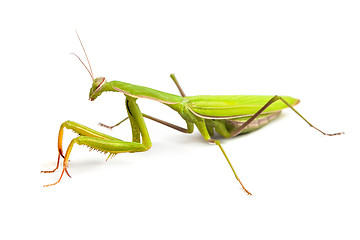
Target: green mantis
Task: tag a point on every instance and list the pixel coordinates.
(228, 115)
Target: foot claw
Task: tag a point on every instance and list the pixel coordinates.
(49, 171)
(247, 192)
(52, 184)
(334, 134)
(62, 173)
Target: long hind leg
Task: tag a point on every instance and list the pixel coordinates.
(271, 101)
(200, 124)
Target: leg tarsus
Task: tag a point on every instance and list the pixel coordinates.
(107, 126)
(292, 108)
(227, 159)
(271, 101)
(52, 184)
(327, 134)
(111, 127)
(57, 165)
(65, 164)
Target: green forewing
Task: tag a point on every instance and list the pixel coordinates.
(235, 105)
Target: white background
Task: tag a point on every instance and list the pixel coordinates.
(305, 185)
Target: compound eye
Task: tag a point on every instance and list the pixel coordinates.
(99, 80)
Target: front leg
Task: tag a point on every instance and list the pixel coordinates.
(105, 143)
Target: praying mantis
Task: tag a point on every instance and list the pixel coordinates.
(228, 115)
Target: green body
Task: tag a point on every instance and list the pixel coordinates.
(228, 115)
(222, 113)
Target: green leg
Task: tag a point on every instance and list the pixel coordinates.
(204, 132)
(177, 85)
(190, 126)
(105, 143)
(220, 127)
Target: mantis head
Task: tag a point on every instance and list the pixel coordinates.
(98, 83)
(97, 88)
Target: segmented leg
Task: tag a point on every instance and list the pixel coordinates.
(190, 126)
(232, 168)
(204, 132)
(271, 101)
(189, 129)
(177, 85)
(105, 143)
(57, 166)
(111, 127)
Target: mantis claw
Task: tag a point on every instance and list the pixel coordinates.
(67, 172)
(60, 152)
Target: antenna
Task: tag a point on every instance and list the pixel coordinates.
(90, 71)
(84, 65)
